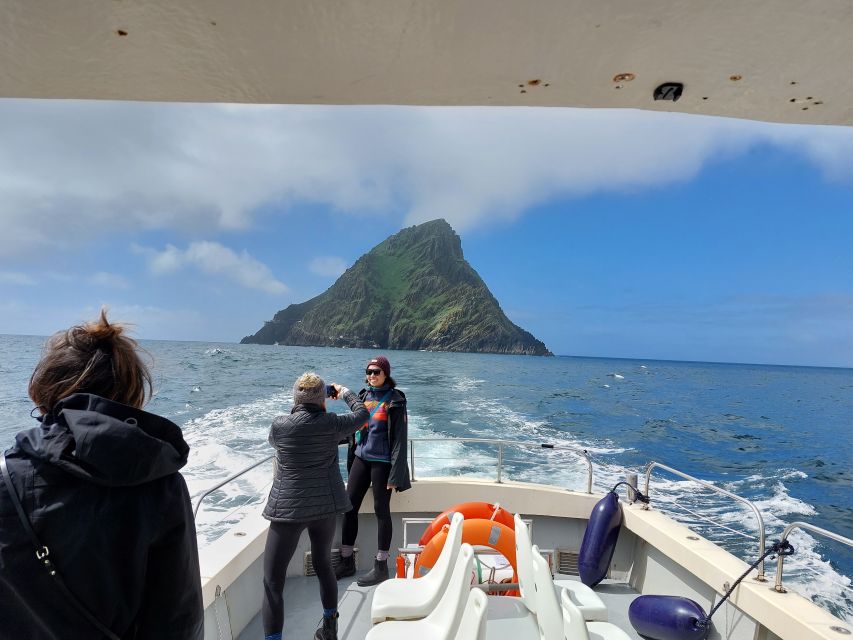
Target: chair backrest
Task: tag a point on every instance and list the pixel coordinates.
(524, 564)
(574, 626)
(443, 566)
(448, 611)
(549, 617)
(472, 626)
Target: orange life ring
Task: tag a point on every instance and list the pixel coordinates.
(469, 511)
(485, 533)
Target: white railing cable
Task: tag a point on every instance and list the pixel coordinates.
(696, 514)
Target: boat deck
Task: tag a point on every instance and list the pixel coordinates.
(303, 610)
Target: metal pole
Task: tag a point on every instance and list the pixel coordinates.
(500, 459)
(631, 479)
(412, 456)
(803, 525)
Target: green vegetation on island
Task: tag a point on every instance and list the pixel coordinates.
(414, 290)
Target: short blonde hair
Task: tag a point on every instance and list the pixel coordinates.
(309, 380)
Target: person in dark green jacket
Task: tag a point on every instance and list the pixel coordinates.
(377, 456)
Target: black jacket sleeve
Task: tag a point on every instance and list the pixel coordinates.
(172, 603)
(349, 423)
(399, 435)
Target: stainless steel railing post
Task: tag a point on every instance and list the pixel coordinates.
(500, 459)
(412, 456)
(760, 575)
(803, 525)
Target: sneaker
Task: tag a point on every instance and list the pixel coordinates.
(379, 573)
(346, 568)
(329, 629)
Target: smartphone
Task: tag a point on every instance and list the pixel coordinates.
(330, 392)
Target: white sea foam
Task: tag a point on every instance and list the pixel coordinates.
(223, 442)
(467, 384)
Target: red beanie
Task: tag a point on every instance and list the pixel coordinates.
(382, 363)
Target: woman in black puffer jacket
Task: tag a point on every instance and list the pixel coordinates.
(307, 493)
(98, 481)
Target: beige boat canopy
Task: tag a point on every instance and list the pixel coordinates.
(774, 60)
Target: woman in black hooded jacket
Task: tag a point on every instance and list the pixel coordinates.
(98, 483)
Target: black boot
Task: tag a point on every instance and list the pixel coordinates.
(379, 573)
(345, 568)
(329, 630)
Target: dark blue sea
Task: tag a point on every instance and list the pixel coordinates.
(778, 436)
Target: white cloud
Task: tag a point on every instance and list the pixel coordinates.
(17, 279)
(73, 171)
(213, 258)
(110, 280)
(331, 266)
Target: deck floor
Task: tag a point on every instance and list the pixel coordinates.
(303, 612)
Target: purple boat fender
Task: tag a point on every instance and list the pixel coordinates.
(668, 618)
(599, 539)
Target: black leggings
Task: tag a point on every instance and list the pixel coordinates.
(281, 544)
(361, 475)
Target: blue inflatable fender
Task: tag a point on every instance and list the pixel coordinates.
(599, 539)
(668, 618)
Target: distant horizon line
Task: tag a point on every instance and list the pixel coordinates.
(558, 355)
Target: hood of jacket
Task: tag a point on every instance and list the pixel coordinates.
(106, 442)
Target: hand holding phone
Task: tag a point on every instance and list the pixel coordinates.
(331, 392)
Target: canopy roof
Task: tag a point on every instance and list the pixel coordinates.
(774, 60)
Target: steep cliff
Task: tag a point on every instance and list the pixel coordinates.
(414, 290)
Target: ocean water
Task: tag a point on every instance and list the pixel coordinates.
(778, 436)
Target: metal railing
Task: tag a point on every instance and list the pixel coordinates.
(810, 527)
(226, 481)
(760, 575)
(501, 444)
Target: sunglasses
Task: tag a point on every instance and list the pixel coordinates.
(373, 372)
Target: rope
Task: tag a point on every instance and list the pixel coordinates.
(632, 490)
(782, 548)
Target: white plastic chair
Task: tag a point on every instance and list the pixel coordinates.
(549, 617)
(575, 628)
(472, 626)
(524, 564)
(410, 599)
(590, 605)
(585, 599)
(443, 622)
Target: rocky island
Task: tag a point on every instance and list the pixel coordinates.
(414, 290)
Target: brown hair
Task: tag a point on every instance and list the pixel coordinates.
(96, 358)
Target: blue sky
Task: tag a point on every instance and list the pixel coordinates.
(604, 233)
